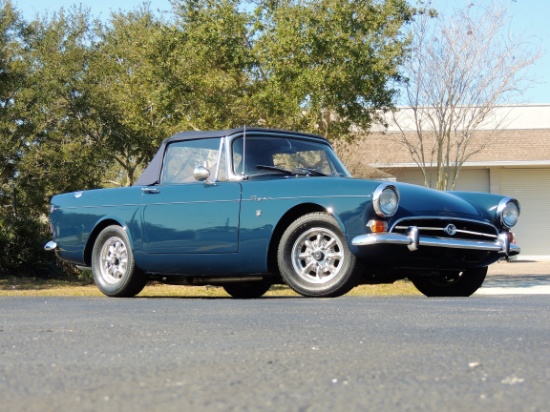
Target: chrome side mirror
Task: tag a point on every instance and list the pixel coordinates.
(201, 174)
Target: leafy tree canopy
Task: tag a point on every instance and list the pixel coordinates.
(85, 103)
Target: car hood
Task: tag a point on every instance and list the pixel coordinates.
(418, 200)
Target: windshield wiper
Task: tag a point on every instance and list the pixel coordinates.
(295, 171)
(308, 171)
(275, 169)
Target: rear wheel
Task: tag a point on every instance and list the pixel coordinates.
(454, 284)
(314, 259)
(250, 290)
(113, 264)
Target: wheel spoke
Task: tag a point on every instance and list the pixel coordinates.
(330, 243)
(319, 273)
(319, 240)
(114, 260)
(334, 255)
(309, 267)
(305, 255)
(317, 255)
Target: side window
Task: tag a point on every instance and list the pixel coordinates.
(182, 158)
(237, 156)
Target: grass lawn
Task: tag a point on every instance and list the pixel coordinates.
(26, 286)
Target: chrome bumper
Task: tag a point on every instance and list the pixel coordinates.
(413, 241)
(51, 245)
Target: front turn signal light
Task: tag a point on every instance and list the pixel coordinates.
(377, 226)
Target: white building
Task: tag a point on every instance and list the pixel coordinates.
(516, 164)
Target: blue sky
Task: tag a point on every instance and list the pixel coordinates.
(529, 19)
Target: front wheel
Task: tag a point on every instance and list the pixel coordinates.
(314, 258)
(113, 264)
(454, 284)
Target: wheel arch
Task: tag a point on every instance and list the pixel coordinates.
(290, 216)
(95, 233)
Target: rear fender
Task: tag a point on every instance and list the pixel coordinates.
(105, 222)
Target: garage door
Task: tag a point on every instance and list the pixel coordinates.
(532, 188)
(469, 180)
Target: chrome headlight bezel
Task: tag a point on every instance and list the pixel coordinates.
(508, 211)
(385, 200)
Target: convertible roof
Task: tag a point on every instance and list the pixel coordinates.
(151, 174)
(221, 133)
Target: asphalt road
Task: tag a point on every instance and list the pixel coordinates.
(485, 353)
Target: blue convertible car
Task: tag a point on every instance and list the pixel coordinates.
(249, 208)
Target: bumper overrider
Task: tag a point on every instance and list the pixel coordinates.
(414, 241)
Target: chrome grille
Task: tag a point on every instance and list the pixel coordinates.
(447, 227)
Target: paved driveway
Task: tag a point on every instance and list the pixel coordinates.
(523, 276)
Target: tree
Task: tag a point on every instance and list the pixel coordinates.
(84, 104)
(210, 65)
(129, 95)
(22, 233)
(13, 72)
(59, 152)
(326, 66)
(458, 71)
(154, 78)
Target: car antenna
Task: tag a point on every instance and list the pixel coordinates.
(244, 149)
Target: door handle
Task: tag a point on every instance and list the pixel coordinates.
(150, 190)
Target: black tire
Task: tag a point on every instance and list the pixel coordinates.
(455, 284)
(250, 290)
(314, 258)
(113, 265)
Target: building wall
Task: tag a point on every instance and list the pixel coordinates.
(470, 180)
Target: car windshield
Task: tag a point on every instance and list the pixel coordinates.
(284, 156)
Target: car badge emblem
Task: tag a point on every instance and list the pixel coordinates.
(450, 229)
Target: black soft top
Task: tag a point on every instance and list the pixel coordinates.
(151, 174)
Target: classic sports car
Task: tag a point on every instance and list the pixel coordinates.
(249, 208)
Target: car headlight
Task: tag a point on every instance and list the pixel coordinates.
(385, 200)
(508, 212)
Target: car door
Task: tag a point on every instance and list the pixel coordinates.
(184, 216)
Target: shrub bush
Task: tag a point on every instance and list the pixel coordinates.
(22, 249)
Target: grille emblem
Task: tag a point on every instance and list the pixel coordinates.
(450, 229)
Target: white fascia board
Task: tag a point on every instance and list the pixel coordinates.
(512, 117)
(506, 163)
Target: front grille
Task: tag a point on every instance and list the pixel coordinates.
(448, 227)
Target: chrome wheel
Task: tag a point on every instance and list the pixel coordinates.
(314, 259)
(113, 260)
(317, 255)
(113, 265)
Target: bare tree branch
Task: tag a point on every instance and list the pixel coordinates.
(460, 69)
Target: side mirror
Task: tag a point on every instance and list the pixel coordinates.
(201, 173)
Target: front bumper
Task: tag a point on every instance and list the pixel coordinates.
(413, 241)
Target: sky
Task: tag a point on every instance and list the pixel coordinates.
(529, 19)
